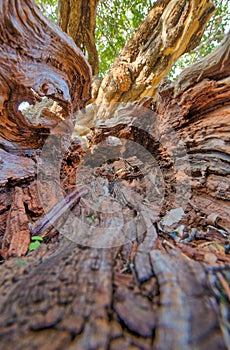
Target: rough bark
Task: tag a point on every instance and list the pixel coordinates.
(170, 29)
(162, 281)
(37, 60)
(199, 110)
(163, 289)
(78, 20)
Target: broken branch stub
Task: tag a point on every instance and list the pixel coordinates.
(37, 60)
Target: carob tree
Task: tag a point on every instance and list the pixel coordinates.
(147, 265)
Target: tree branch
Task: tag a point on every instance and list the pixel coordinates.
(170, 29)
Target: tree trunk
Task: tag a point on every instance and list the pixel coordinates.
(78, 20)
(141, 258)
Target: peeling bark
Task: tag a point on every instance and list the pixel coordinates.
(153, 292)
(37, 59)
(198, 108)
(170, 29)
(159, 284)
(17, 221)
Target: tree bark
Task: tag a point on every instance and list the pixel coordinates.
(170, 29)
(37, 60)
(148, 265)
(78, 20)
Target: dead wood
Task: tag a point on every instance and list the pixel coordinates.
(164, 288)
(37, 59)
(148, 265)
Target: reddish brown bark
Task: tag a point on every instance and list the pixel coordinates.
(136, 275)
(37, 59)
(78, 20)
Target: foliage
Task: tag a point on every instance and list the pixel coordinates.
(117, 20)
(49, 8)
(213, 35)
(36, 242)
(90, 219)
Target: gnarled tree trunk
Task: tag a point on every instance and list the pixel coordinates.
(141, 259)
(37, 59)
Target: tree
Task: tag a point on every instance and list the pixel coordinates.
(78, 20)
(147, 267)
(117, 20)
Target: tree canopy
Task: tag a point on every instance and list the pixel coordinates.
(117, 20)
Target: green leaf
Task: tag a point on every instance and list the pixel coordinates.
(90, 219)
(34, 245)
(36, 238)
(117, 19)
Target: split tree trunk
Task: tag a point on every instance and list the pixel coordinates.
(166, 287)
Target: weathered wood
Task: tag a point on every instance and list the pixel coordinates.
(17, 221)
(197, 107)
(171, 305)
(45, 224)
(184, 298)
(37, 59)
(194, 116)
(15, 169)
(144, 286)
